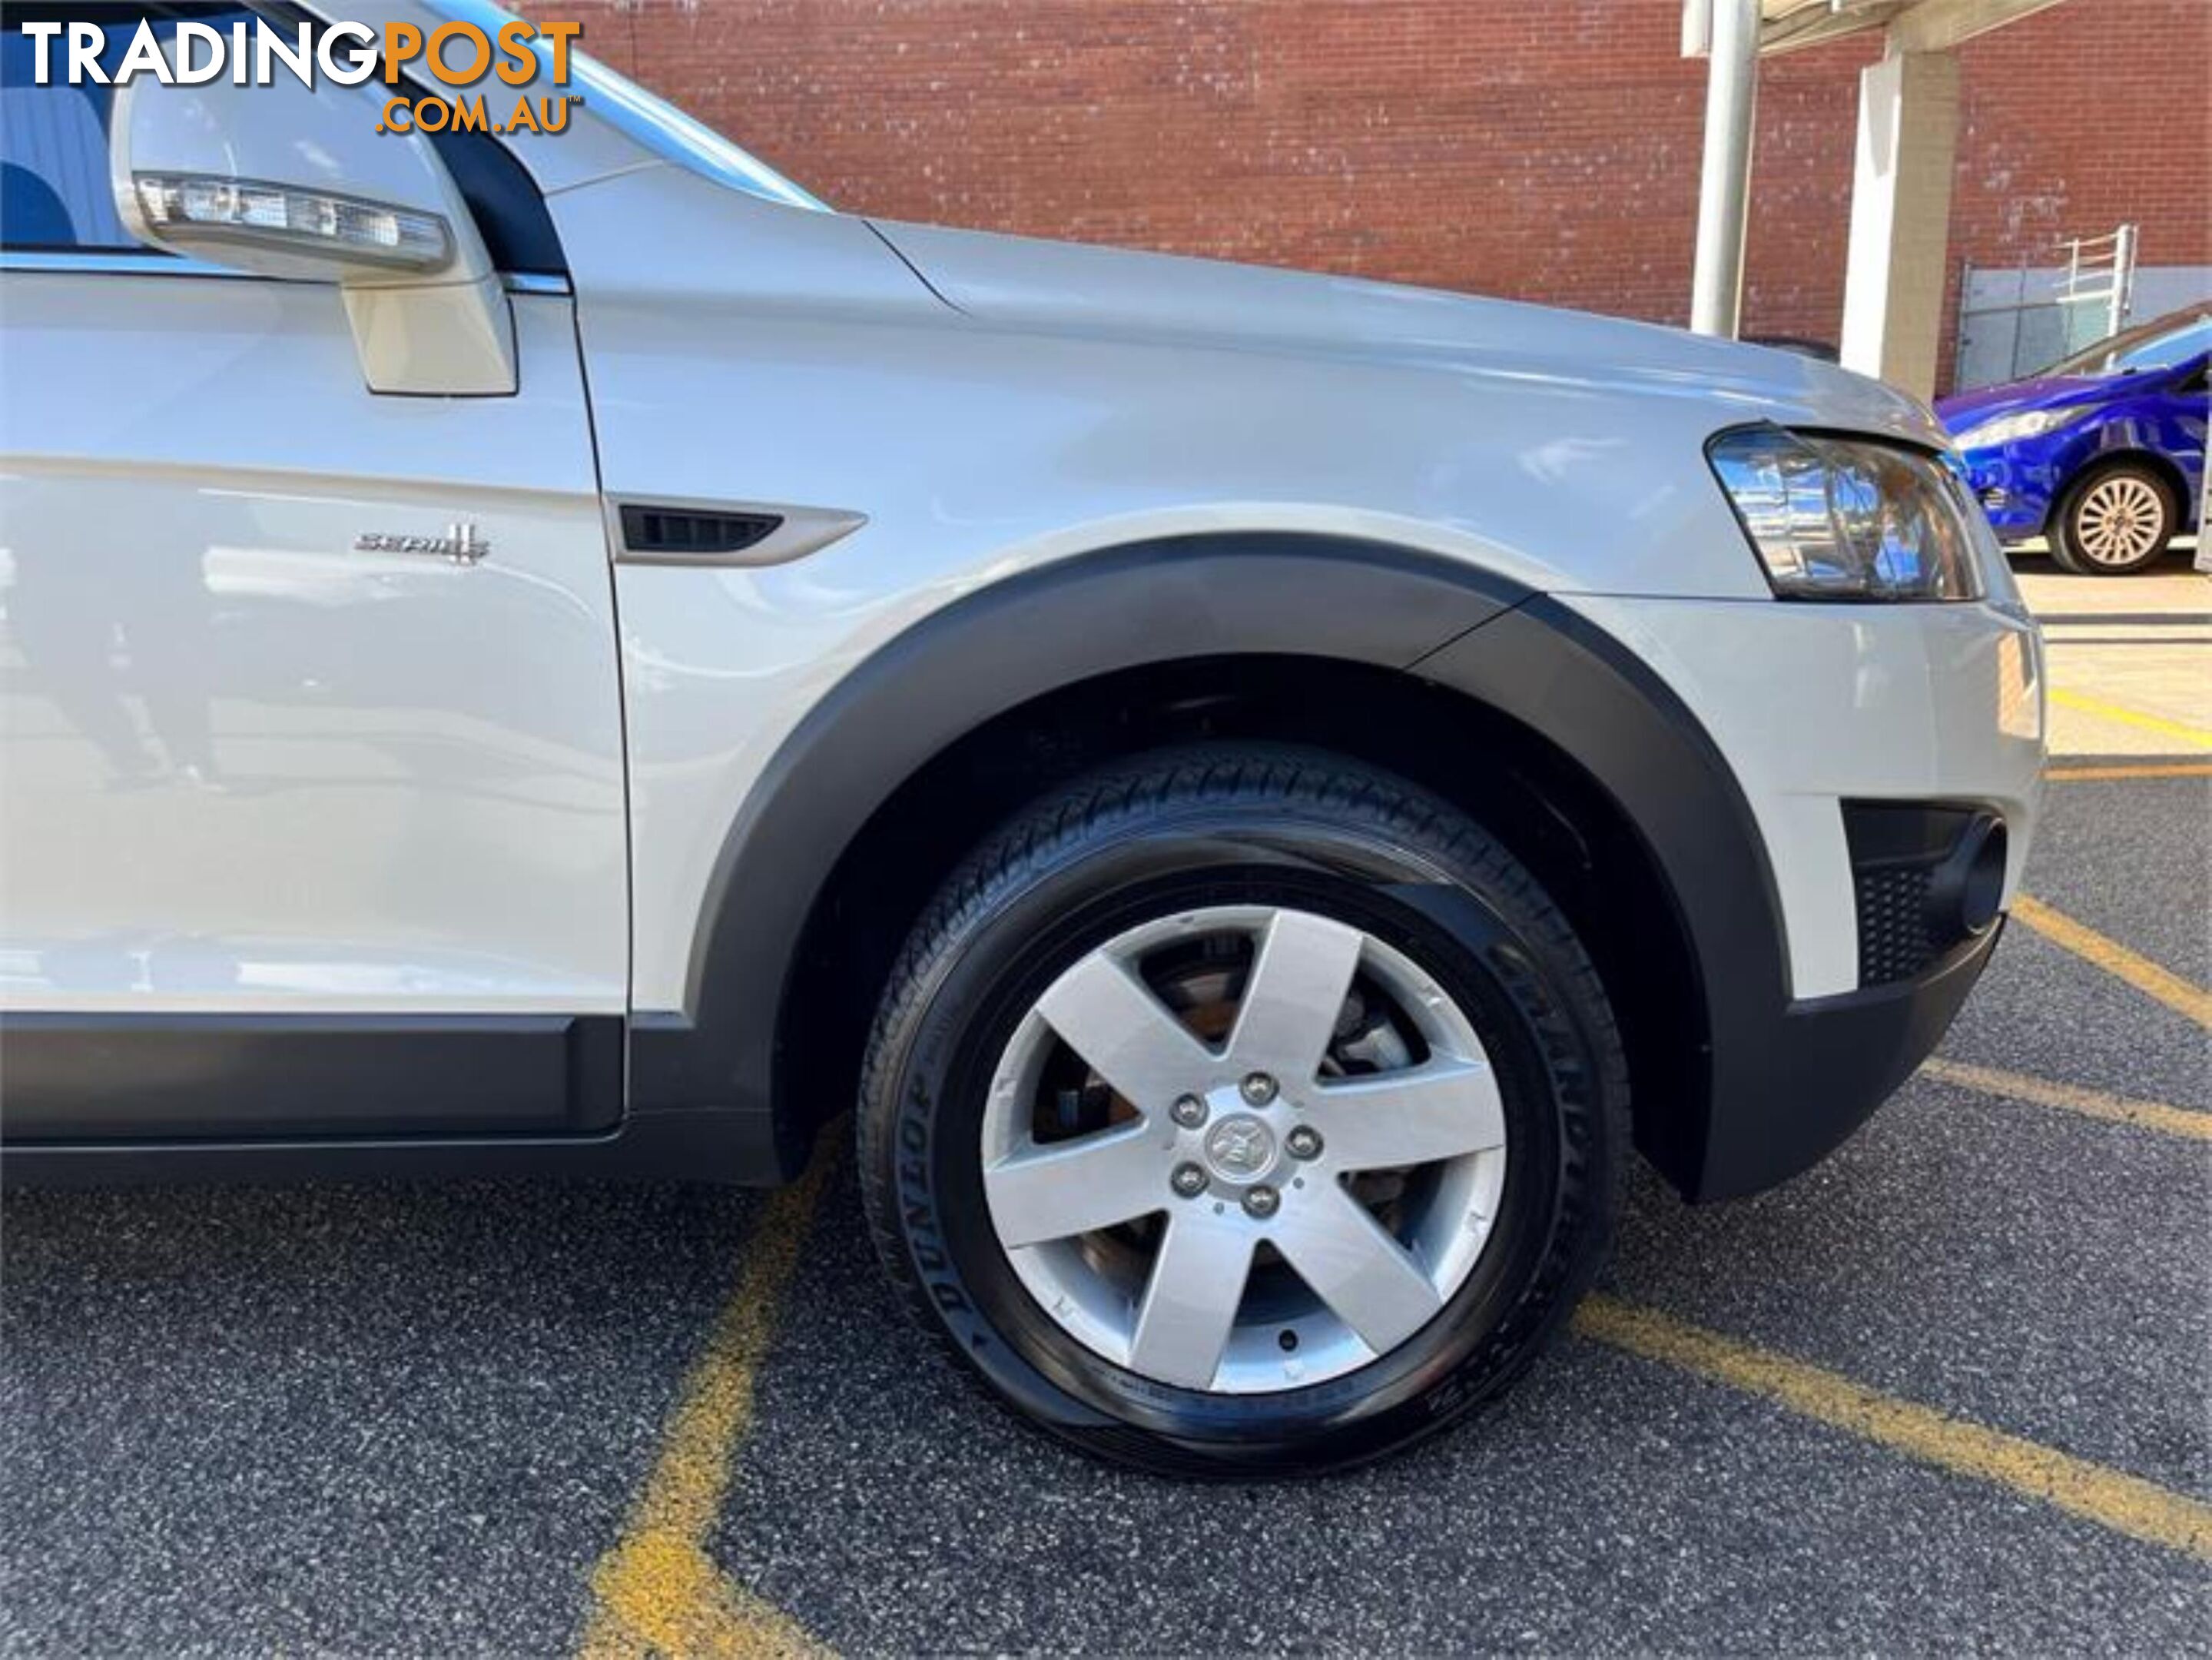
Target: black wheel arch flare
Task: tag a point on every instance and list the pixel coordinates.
(1494, 641)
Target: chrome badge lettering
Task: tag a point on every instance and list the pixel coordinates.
(459, 545)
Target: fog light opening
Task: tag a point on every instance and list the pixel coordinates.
(1968, 887)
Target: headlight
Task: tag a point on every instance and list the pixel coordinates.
(2011, 428)
(1849, 519)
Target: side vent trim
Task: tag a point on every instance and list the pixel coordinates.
(690, 530)
(695, 533)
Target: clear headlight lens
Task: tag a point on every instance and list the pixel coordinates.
(1849, 519)
(2011, 428)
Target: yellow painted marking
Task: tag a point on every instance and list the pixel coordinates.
(657, 1592)
(2072, 1098)
(2192, 1002)
(2157, 723)
(2125, 1504)
(2156, 769)
(660, 1594)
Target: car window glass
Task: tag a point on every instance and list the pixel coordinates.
(54, 193)
(652, 121)
(2155, 344)
(2166, 350)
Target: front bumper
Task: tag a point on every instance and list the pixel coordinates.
(1831, 1063)
(1817, 710)
(2016, 488)
(1812, 705)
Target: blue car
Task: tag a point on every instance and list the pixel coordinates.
(2102, 452)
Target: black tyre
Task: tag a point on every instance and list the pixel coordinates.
(2115, 518)
(1243, 1111)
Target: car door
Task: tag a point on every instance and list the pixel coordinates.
(2181, 418)
(312, 794)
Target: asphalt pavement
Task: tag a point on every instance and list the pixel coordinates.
(1951, 1390)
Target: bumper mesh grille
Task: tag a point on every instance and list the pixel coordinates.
(1895, 941)
(1924, 876)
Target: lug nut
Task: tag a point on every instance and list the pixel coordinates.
(1189, 1180)
(1259, 1088)
(1188, 1112)
(1263, 1201)
(1303, 1142)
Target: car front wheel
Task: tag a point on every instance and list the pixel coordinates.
(2117, 519)
(1243, 1111)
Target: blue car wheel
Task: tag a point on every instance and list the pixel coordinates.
(2115, 519)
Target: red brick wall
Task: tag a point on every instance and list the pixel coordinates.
(1543, 149)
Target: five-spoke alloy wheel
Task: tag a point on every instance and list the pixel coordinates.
(1243, 1111)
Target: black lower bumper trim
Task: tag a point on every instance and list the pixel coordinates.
(1829, 1063)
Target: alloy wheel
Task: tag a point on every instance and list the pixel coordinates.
(1243, 1149)
(2120, 520)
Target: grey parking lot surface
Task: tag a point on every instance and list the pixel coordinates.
(1606, 1506)
(370, 1419)
(2131, 858)
(410, 1420)
(2120, 856)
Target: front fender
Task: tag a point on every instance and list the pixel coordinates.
(1126, 607)
(1274, 594)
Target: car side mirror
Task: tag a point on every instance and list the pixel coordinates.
(290, 181)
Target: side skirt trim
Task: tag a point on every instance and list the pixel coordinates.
(91, 1078)
(725, 1147)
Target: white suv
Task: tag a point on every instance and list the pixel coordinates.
(558, 653)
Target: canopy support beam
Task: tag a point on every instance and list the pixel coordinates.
(1908, 130)
(1896, 265)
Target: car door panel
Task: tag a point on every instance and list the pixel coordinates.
(253, 767)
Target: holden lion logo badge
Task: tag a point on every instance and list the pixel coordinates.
(1240, 1146)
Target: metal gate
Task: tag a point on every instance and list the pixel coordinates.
(2014, 322)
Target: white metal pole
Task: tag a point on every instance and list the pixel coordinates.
(2123, 277)
(1724, 182)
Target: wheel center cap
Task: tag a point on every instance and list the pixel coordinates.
(1239, 1147)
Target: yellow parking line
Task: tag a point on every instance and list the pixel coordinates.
(657, 1590)
(2157, 723)
(660, 1594)
(2072, 1098)
(2099, 774)
(2125, 1504)
(2115, 958)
